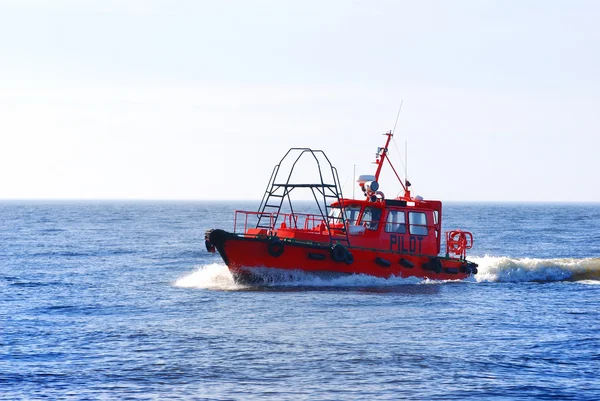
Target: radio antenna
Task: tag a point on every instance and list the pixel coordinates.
(397, 116)
(353, 186)
(406, 182)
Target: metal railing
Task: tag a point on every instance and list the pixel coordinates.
(291, 221)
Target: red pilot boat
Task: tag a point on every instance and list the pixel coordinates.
(373, 236)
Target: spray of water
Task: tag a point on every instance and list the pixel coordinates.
(512, 270)
(491, 269)
(214, 276)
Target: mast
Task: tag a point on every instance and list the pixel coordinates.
(406, 182)
(382, 154)
(381, 157)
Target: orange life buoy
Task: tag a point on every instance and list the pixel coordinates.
(457, 242)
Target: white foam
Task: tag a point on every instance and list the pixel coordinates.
(217, 277)
(491, 269)
(299, 278)
(514, 270)
(590, 282)
(214, 276)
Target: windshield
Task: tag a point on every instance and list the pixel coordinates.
(352, 213)
(335, 216)
(370, 218)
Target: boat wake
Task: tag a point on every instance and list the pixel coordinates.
(216, 276)
(512, 270)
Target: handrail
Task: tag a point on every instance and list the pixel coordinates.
(312, 221)
(290, 220)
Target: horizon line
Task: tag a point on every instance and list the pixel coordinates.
(7, 200)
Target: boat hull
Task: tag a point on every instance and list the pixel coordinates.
(249, 257)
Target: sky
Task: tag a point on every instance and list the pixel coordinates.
(198, 100)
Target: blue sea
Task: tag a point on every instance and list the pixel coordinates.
(120, 301)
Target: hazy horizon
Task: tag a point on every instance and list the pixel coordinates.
(257, 201)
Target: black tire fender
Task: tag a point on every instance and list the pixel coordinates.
(349, 259)
(209, 245)
(338, 253)
(383, 262)
(406, 263)
(434, 264)
(437, 265)
(275, 248)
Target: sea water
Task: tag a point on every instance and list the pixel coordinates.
(118, 300)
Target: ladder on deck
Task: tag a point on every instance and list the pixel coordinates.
(278, 191)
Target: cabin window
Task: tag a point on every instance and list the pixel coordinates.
(396, 222)
(418, 223)
(335, 215)
(352, 213)
(371, 217)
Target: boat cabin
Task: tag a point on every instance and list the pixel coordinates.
(407, 227)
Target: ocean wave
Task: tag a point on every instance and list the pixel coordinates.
(515, 270)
